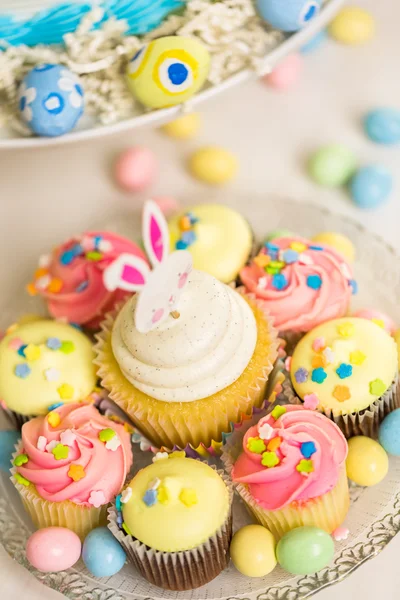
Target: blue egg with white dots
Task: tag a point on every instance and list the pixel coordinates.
(102, 553)
(290, 15)
(50, 100)
(8, 439)
(371, 186)
(389, 433)
(383, 125)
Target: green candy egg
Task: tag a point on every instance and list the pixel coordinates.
(332, 166)
(305, 550)
(278, 233)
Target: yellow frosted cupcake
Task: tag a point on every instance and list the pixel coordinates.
(174, 521)
(44, 363)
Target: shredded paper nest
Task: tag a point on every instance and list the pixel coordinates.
(234, 35)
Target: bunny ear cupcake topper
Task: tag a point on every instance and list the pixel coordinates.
(161, 288)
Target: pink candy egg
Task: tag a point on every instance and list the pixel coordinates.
(166, 204)
(375, 315)
(53, 549)
(135, 169)
(287, 73)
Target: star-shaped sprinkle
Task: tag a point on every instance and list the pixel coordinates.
(340, 534)
(67, 347)
(15, 344)
(305, 466)
(301, 375)
(318, 344)
(265, 431)
(262, 260)
(278, 412)
(288, 363)
(164, 495)
(346, 329)
(68, 437)
(328, 355)
(51, 445)
(298, 246)
(126, 495)
(160, 456)
(76, 472)
(52, 374)
(269, 460)
(263, 282)
(65, 391)
(314, 282)
(20, 460)
(188, 497)
(290, 256)
(55, 286)
(318, 375)
(41, 443)
(256, 445)
(308, 449)
(318, 361)
(22, 480)
(357, 357)
(279, 281)
(113, 444)
(344, 370)
(105, 435)
(53, 343)
(274, 444)
(97, 498)
(377, 387)
(105, 246)
(22, 371)
(150, 497)
(311, 401)
(341, 393)
(60, 452)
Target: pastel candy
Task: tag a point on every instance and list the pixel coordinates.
(371, 186)
(305, 550)
(135, 169)
(287, 73)
(389, 433)
(367, 462)
(53, 549)
(253, 551)
(332, 165)
(382, 125)
(102, 553)
(352, 25)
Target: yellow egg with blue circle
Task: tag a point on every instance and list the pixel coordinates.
(168, 71)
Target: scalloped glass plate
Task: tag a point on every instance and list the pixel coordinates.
(374, 517)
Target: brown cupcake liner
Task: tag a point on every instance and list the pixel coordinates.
(291, 339)
(179, 571)
(365, 422)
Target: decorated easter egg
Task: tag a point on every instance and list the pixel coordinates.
(8, 440)
(315, 43)
(382, 125)
(213, 165)
(371, 186)
(50, 100)
(290, 15)
(53, 549)
(338, 242)
(377, 317)
(389, 433)
(102, 553)
(305, 550)
(352, 25)
(367, 462)
(287, 73)
(332, 165)
(135, 169)
(183, 128)
(168, 71)
(253, 551)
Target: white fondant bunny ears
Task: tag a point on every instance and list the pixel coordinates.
(159, 289)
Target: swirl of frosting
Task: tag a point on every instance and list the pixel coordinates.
(67, 459)
(302, 283)
(305, 449)
(202, 352)
(71, 279)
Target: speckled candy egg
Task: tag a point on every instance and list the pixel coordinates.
(371, 186)
(168, 71)
(332, 165)
(305, 550)
(253, 551)
(367, 462)
(389, 433)
(290, 15)
(53, 549)
(382, 125)
(50, 100)
(102, 553)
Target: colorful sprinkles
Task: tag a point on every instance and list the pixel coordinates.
(344, 370)
(188, 234)
(301, 375)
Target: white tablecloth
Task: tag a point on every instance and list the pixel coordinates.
(49, 193)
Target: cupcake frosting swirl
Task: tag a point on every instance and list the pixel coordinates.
(76, 454)
(293, 454)
(71, 278)
(203, 351)
(303, 283)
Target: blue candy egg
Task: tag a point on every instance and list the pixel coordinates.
(371, 186)
(383, 125)
(316, 42)
(102, 553)
(50, 100)
(389, 433)
(8, 439)
(290, 15)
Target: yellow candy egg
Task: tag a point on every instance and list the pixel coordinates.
(352, 26)
(168, 71)
(367, 462)
(396, 336)
(184, 127)
(253, 551)
(213, 165)
(338, 242)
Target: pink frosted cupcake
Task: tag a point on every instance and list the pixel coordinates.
(71, 278)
